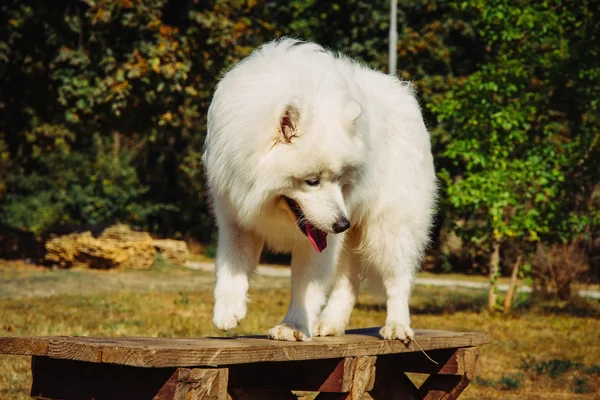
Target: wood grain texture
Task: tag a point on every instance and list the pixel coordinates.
(212, 352)
(359, 377)
(363, 378)
(201, 384)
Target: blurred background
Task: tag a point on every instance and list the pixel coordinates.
(102, 122)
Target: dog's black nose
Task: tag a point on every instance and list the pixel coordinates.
(341, 225)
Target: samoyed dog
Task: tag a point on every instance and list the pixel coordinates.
(310, 152)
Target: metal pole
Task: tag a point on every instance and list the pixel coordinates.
(393, 37)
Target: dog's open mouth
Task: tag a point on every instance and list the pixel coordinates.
(317, 237)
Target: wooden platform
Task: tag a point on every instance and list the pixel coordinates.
(355, 366)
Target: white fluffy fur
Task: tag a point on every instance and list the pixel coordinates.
(362, 133)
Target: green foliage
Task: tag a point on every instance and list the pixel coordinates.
(211, 251)
(102, 109)
(76, 188)
(485, 382)
(506, 382)
(510, 382)
(553, 368)
(103, 102)
(581, 385)
(556, 368)
(520, 162)
(594, 369)
(183, 299)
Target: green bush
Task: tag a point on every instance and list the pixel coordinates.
(77, 188)
(510, 382)
(581, 386)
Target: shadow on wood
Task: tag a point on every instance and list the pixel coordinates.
(67, 379)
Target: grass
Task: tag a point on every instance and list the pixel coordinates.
(535, 353)
(554, 368)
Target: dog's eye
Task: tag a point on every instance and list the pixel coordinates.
(313, 182)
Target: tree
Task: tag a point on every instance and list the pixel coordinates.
(521, 134)
(87, 82)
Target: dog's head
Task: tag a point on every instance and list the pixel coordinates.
(318, 155)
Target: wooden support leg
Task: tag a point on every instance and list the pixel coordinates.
(351, 376)
(201, 383)
(446, 387)
(358, 378)
(77, 380)
(447, 380)
(392, 385)
(452, 376)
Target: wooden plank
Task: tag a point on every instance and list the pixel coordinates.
(205, 383)
(361, 380)
(329, 375)
(453, 377)
(462, 361)
(443, 387)
(77, 380)
(166, 352)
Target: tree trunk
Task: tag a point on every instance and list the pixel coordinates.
(494, 274)
(116, 151)
(511, 287)
(116, 144)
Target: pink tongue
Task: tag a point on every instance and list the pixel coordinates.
(317, 238)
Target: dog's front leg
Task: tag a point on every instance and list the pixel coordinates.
(311, 278)
(237, 255)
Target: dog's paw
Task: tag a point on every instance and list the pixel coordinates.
(328, 328)
(397, 331)
(289, 333)
(228, 314)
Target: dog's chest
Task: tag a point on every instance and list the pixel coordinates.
(279, 232)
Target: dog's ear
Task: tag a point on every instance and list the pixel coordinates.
(353, 110)
(288, 124)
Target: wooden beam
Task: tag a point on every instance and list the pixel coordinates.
(462, 361)
(351, 374)
(449, 379)
(358, 381)
(76, 380)
(204, 383)
(443, 387)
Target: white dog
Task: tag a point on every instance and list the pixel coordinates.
(312, 153)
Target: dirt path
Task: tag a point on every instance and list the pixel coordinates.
(278, 272)
(19, 282)
(29, 281)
